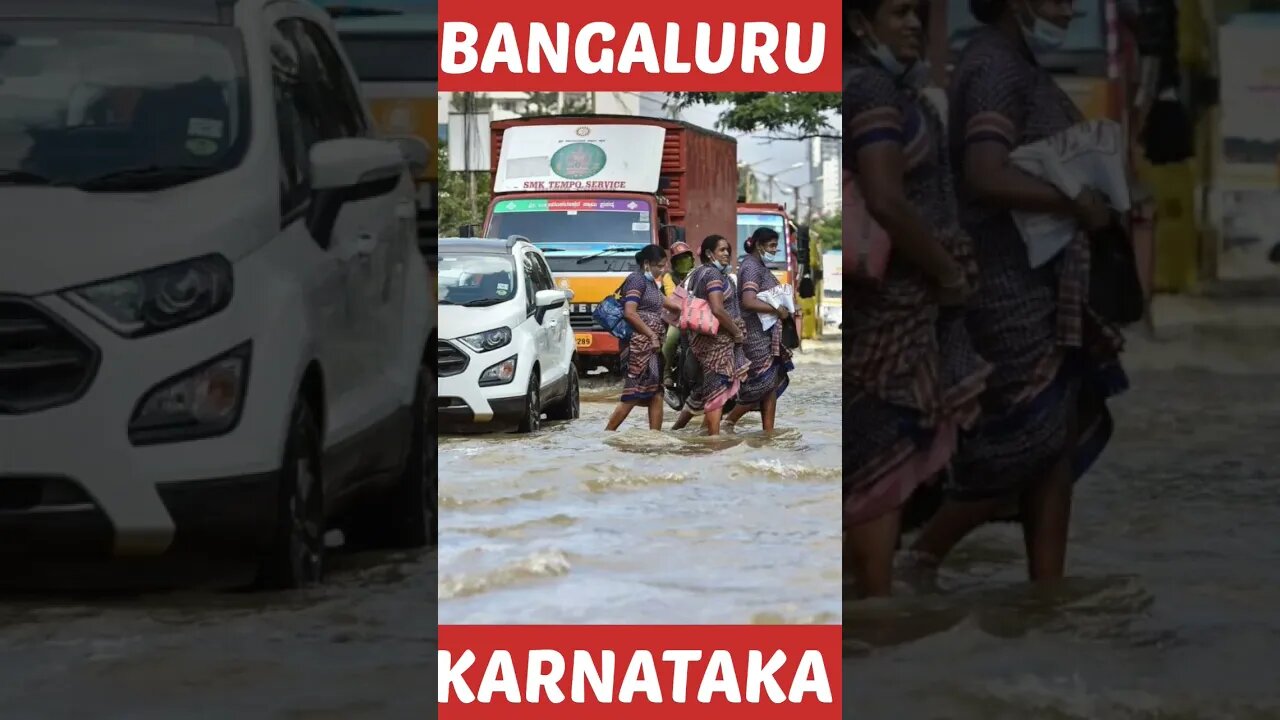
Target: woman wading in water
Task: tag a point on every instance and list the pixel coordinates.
(770, 360)
(1045, 418)
(911, 376)
(642, 308)
(720, 356)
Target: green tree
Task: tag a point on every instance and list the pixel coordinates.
(783, 116)
(455, 207)
(828, 230)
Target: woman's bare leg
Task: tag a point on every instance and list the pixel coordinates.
(655, 411)
(868, 554)
(1046, 520)
(620, 414)
(682, 420)
(768, 410)
(952, 523)
(712, 421)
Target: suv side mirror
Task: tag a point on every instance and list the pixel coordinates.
(345, 164)
(416, 153)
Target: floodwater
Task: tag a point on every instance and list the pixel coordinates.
(1172, 607)
(361, 647)
(576, 525)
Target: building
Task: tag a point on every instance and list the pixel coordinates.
(825, 155)
(516, 104)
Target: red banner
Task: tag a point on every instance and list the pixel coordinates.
(638, 671)
(577, 46)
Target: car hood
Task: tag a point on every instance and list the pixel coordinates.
(55, 238)
(457, 321)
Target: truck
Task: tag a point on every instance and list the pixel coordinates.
(592, 190)
(787, 268)
(393, 46)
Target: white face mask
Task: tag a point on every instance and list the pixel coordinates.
(915, 75)
(1042, 35)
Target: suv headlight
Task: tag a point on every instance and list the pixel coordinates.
(203, 402)
(488, 340)
(160, 299)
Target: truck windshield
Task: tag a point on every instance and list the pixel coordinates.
(475, 280)
(609, 231)
(748, 224)
(1085, 34)
(106, 106)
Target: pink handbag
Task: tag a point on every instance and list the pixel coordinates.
(695, 313)
(866, 244)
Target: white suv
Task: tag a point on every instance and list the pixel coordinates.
(214, 316)
(506, 352)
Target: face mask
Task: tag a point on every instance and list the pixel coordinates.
(719, 265)
(648, 275)
(684, 266)
(771, 256)
(885, 57)
(1042, 35)
(917, 75)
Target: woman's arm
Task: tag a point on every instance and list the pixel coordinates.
(881, 168)
(632, 315)
(996, 101)
(728, 325)
(992, 179)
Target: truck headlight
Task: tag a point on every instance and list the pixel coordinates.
(500, 374)
(203, 402)
(160, 299)
(488, 340)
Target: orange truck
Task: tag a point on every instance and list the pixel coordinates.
(592, 190)
(786, 268)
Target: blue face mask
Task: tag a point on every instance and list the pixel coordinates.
(719, 265)
(885, 57)
(1042, 35)
(648, 275)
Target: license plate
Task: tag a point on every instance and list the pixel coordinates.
(583, 340)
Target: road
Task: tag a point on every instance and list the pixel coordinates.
(576, 525)
(1170, 608)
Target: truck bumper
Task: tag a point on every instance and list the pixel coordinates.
(596, 343)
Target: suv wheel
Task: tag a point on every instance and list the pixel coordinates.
(296, 556)
(533, 405)
(568, 407)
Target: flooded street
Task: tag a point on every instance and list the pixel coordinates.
(1171, 607)
(360, 648)
(576, 525)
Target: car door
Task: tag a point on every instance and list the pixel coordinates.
(366, 228)
(535, 326)
(396, 230)
(333, 303)
(556, 322)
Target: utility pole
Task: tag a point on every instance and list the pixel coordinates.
(468, 109)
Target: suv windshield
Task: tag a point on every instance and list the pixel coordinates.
(578, 235)
(475, 280)
(748, 224)
(108, 106)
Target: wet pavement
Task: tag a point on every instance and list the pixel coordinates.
(576, 525)
(362, 647)
(1170, 610)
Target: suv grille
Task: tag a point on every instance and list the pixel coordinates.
(450, 359)
(43, 363)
